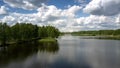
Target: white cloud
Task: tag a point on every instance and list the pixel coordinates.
(3, 10)
(103, 7)
(71, 11)
(64, 19)
(118, 19)
(98, 22)
(45, 15)
(25, 4)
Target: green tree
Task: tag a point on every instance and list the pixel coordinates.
(4, 33)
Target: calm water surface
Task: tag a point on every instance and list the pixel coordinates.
(69, 52)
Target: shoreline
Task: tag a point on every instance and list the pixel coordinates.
(41, 40)
(19, 42)
(117, 37)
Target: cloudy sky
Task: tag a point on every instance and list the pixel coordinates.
(67, 15)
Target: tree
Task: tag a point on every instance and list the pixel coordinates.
(25, 31)
(4, 33)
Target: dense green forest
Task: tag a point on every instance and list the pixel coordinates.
(99, 32)
(25, 31)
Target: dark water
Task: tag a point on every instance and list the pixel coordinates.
(69, 52)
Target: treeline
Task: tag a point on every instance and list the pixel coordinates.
(99, 32)
(25, 31)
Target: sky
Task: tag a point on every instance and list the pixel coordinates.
(66, 15)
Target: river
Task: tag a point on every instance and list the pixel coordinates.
(69, 52)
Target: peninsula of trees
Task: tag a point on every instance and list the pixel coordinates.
(25, 31)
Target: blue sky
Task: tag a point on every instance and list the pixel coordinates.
(58, 3)
(67, 15)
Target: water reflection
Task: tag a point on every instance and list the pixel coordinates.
(49, 47)
(19, 52)
(72, 52)
(92, 53)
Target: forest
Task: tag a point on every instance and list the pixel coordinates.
(25, 31)
(98, 32)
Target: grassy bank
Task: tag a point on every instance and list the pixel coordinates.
(44, 40)
(47, 40)
(102, 34)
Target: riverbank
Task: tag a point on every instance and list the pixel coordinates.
(44, 40)
(103, 34)
(19, 42)
(47, 40)
(115, 37)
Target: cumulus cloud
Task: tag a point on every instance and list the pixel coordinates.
(93, 22)
(3, 10)
(64, 19)
(98, 22)
(46, 15)
(25, 4)
(103, 7)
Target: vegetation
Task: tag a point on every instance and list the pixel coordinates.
(48, 40)
(108, 34)
(99, 32)
(25, 31)
(48, 31)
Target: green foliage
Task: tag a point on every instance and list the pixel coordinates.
(116, 32)
(48, 40)
(99, 32)
(48, 31)
(25, 31)
(4, 33)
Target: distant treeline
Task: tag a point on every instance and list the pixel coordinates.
(25, 31)
(99, 32)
